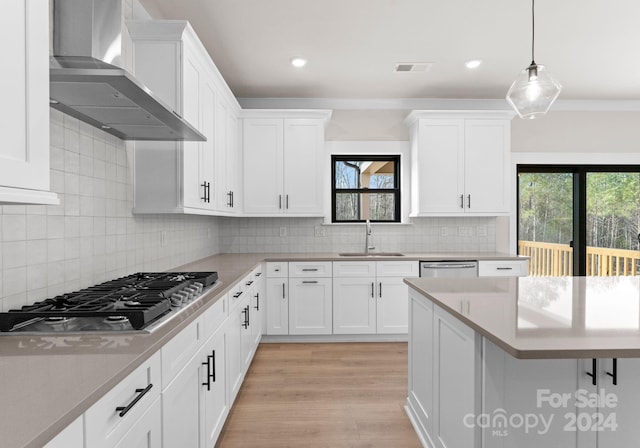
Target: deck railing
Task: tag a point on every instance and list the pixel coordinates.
(557, 260)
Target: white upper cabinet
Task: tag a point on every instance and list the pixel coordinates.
(24, 119)
(227, 155)
(283, 152)
(181, 177)
(460, 162)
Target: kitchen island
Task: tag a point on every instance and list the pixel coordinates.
(525, 362)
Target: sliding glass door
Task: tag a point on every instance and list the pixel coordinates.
(579, 220)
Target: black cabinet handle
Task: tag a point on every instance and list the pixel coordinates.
(122, 410)
(306, 282)
(249, 283)
(258, 274)
(614, 374)
(283, 296)
(257, 296)
(204, 191)
(237, 294)
(469, 201)
(287, 201)
(248, 316)
(461, 201)
(279, 201)
(380, 290)
(593, 375)
(372, 288)
(309, 269)
(504, 269)
(245, 311)
(232, 200)
(208, 364)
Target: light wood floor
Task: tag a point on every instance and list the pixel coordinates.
(323, 396)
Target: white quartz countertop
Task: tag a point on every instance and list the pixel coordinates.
(546, 317)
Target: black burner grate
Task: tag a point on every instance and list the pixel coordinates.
(141, 298)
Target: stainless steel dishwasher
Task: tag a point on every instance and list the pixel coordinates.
(449, 268)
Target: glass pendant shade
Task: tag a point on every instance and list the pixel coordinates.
(533, 91)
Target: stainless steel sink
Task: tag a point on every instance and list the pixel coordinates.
(371, 254)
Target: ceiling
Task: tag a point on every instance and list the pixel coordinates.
(591, 46)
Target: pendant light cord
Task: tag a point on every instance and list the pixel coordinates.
(533, 30)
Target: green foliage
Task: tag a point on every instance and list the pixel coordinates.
(613, 208)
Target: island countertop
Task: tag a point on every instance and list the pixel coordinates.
(545, 317)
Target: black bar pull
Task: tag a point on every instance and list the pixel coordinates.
(287, 201)
(469, 201)
(593, 374)
(232, 200)
(280, 201)
(372, 288)
(504, 269)
(380, 290)
(257, 296)
(208, 191)
(283, 296)
(122, 410)
(208, 364)
(614, 374)
(461, 201)
(245, 311)
(249, 283)
(204, 191)
(248, 316)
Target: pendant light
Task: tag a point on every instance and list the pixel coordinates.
(534, 90)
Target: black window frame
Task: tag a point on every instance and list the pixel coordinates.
(579, 171)
(373, 158)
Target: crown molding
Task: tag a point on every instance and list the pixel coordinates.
(429, 104)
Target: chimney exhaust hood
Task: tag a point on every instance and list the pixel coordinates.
(87, 82)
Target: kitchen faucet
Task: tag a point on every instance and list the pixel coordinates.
(368, 238)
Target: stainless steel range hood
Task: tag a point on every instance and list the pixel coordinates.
(87, 82)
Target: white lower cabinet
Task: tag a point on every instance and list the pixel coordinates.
(310, 306)
(277, 320)
(108, 423)
(371, 297)
(444, 368)
(236, 335)
(258, 302)
(214, 405)
(70, 437)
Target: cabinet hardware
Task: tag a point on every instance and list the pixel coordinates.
(309, 281)
(461, 201)
(258, 274)
(208, 364)
(372, 293)
(283, 296)
(245, 311)
(503, 269)
(257, 296)
(287, 202)
(237, 294)
(469, 201)
(204, 191)
(122, 410)
(280, 201)
(593, 373)
(309, 269)
(380, 290)
(614, 374)
(233, 200)
(249, 283)
(213, 365)
(230, 196)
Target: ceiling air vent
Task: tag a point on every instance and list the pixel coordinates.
(411, 67)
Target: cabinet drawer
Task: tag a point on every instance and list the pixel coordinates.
(104, 425)
(392, 268)
(179, 350)
(278, 269)
(354, 268)
(236, 294)
(503, 268)
(310, 269)
(216, 315)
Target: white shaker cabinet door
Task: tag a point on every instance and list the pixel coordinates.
(303, 173)
(214, 403)
(277, 321)
(354, 305)
(24, 119)
(310, 306)
(392, 298)
(263, 176)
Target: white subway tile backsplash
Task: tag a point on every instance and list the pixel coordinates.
(14, 254)
(55, 249)
(36, 227)
(14, 281)
(36, 251)
(13, 226)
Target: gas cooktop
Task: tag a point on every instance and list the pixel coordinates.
(135, 302)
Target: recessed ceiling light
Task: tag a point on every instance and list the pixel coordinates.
(298, 62)
(473, 63)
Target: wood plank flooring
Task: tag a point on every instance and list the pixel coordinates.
(345, 395)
